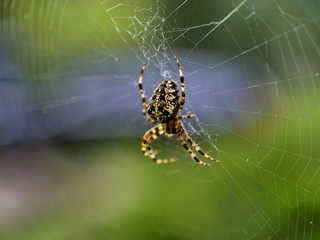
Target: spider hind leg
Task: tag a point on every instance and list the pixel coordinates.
(183, 93)
(184, 144)
(196, 147)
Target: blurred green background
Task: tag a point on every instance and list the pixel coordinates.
(73, 184)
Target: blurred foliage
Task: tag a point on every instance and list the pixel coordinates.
(108, 190)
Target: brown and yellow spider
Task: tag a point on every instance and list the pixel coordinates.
(164, 108)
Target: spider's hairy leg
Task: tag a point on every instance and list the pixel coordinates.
(183, 93)
(184, 144)
(150, 136)
(186, 116)
(196, 147)
(144, 104)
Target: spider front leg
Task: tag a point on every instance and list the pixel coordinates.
(144, 104)
(149, 137)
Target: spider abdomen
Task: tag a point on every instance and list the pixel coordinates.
(164, 102)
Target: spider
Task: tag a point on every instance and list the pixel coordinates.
(164, 108)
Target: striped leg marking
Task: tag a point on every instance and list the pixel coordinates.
(148, 138)
(186, 116)
(144, 104)
(183, 93)
(184, 144)
(196, 147)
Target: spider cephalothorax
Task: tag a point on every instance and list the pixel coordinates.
(164, 108)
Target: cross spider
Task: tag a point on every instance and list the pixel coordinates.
(164, 108)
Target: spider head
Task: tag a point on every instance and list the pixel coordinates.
(164, 102)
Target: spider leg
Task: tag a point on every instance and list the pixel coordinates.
(186, 116)
(196, 147)
(179, 118)
(184, 144)
(149, 137)
(144, 104)
(183, 93)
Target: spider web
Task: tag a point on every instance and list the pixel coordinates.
(252, 78)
